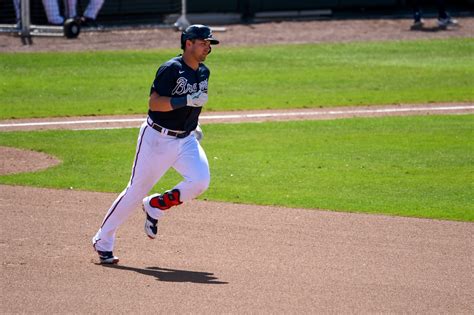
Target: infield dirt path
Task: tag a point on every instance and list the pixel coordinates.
(213, 257)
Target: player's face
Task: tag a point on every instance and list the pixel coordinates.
(200, 49)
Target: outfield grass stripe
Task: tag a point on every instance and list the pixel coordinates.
(305, 76)
(242, 116)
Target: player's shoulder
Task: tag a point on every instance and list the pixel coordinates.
(204, 68)
(171, 66)
(174, 63)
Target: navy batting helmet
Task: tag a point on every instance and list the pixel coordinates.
(197, 31)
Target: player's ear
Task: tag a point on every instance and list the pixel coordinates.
(189, 42)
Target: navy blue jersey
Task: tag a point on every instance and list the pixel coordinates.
(175, 78)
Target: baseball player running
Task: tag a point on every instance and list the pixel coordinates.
(168, 138)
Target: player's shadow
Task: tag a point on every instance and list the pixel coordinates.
(431, 29)
(173, 275)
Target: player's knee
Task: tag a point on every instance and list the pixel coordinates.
(201, 184)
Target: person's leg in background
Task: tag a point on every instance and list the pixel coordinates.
(93, 9)
(51, 7)
(89, 16)
(71, 8)
(17, 5)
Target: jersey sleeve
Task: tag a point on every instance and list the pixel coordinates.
(207, 72)
(164, 80)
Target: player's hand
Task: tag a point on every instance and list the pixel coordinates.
(197, 99)
(198, 133)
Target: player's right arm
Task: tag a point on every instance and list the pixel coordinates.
(163, 84)
(159, 103)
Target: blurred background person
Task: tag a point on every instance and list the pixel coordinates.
(55, 17)
(51, 8)
(16, 4)
(89, 16)
(444, 19)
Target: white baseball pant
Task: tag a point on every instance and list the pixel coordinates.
(156, 153)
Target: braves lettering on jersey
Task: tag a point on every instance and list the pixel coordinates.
(175, 78)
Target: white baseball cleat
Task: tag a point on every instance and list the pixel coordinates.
(151, 224)
(107, 258)
(449, 21)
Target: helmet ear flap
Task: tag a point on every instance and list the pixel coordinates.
(183, 41)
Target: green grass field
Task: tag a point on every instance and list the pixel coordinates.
(293, 76)
(418, 166)
(411, 166)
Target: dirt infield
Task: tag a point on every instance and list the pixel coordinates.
(14, 160)
(221, 258)
(213, 257)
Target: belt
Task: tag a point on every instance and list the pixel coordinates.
(163, 130)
